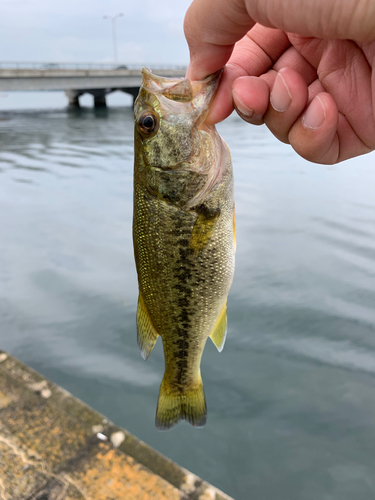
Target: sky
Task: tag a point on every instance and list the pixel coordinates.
(151, 31)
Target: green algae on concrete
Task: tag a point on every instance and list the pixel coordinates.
(55, 447)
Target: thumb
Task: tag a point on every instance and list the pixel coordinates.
(326, 19)
(212, 28)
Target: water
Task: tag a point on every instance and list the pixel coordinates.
(291, 399)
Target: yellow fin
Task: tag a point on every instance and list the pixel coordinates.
(219, 331)
(173, 406)
(234, 231)
(147, 335)
(203, 227)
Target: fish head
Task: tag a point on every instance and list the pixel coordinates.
(169, 113)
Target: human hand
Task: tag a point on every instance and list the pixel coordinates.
(305, 69)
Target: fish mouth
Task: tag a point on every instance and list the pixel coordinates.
(199, 93)
(209, 84)
(155, 83)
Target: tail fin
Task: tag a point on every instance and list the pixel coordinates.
(174, 406)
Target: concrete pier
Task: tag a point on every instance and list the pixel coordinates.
(55, 447)
(99, 101)
(73, 97)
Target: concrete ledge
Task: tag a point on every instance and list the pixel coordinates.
(55, 447)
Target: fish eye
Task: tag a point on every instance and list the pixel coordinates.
(147, 123)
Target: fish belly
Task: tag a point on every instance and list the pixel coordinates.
(183, 287)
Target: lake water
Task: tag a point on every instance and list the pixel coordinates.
(291, 399)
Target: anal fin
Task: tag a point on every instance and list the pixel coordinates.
(146, 333)
(219, 331)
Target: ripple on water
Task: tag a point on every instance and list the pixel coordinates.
(301, 311)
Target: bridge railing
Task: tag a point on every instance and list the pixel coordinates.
(81, 65)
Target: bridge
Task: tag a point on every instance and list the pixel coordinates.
(75, 79)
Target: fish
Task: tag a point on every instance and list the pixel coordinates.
(184, 236)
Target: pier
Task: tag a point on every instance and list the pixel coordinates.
(76, 79)
(55, 447)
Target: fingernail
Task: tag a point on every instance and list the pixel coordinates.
(280, 96)
(241, 108)
(315, 114)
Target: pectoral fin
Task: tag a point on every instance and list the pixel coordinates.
(219, 331)
(147, 335)
(203, 227)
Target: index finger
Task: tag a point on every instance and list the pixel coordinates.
(211, 30)
(253, 55)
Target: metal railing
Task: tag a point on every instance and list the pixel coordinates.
(82, 65)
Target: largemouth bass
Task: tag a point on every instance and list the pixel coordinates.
(184, 236)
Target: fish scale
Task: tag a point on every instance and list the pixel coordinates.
(183, 237)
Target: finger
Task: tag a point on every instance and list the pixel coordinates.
(350, 143)
(323, 135)
(324, 19)
(314, 89)
(314, 135)
(288, 99)
(291, 58)
(344, 71)
(278, 109)
(253, 56)
(211, 33)
(255, 51)
(251, 98)
(259, 49)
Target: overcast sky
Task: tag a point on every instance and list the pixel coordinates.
(74, 30)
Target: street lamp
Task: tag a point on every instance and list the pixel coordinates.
(113, 19)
